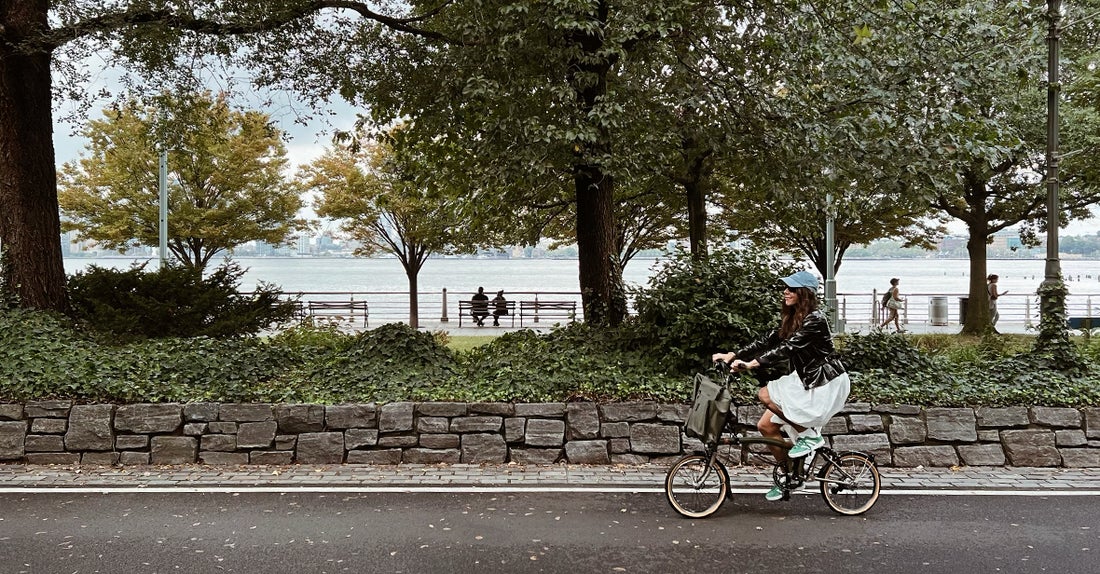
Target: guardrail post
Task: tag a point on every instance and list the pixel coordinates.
(444, 319)
(1027, 311)
(536, 307)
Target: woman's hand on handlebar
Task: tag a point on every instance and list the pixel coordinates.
(726, 358)
(738, 366)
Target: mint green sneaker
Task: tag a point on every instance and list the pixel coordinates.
(774, 494)
(805, 445)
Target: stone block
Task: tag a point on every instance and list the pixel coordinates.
(441, 409)
(222, 458)
(146, 418)
(907, 430)
(300, 418)
(1080, 457)
(540, 410)
(650, 438)
(615, 430)
(535, 455)
(1056, 417)
(476, 424)
(893, 409)
(545, 432)
(494, 409)
(431, 456)
(632, 412)
(836, 425)
(851, 408)
(587, 452)
(64, 458)
(989, 435)
(749, 414)
(359, 438)
(1070, 437)
(618, 446)
(582, 421)
(677, 414)
(286, 441)
(484, 449)
(49, 426)
(99, 458)
(256, 434)
(514, 428)
(1031, 447)
(47, 409)
(44, 443)
(195, 429)
(218, 443)
(865, 423)
(173, 449)
(1092, 421)
(90, 428)
(201, 412)
(246, 412)
(982, 454)
(351, 416)
(398, 441)
(875, 443)
(396, 417)
(132, 441)
(272, 457)
(951, 424)
(429, 425)
(132, 458)
(929, 456)
(390, 456)
(631, 459)
(440, 441)
(11, 412)
(1002, 417)
(222, 427)
(321, 448)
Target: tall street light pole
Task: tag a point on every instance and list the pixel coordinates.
(1052, 289)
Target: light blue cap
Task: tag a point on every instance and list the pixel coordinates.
(802, 279)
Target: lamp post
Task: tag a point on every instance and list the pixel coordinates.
(1052, 289)
(830, 264)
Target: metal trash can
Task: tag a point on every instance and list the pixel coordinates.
(963, 301)
(937, 310)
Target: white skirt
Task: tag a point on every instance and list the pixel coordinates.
(812, 408)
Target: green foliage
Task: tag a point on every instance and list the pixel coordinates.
(693, 308)
(173, 301)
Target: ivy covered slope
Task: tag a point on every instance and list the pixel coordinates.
(689, 311)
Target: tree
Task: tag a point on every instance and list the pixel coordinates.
(225, 168)
(380, 194)
(160, 40)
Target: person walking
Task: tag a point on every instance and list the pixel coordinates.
(817, 385)
(991, 288)
(891, 302)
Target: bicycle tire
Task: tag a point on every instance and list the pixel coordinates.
(850, 483)
(696, 489)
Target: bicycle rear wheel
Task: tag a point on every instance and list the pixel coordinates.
(695, 488)
(850, 483)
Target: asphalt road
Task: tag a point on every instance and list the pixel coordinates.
(562, 533)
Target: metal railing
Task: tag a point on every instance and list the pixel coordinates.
(438, 309)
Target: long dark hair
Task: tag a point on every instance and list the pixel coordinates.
(791, 316)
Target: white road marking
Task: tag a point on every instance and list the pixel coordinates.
(497, 489)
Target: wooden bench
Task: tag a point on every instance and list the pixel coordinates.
(466, 308)
(538, 310)
(1084, 322)
(339, 310)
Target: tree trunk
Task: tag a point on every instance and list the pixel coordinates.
(977, 308)
(30, 228)
(697, 218)
(601, 294)
(414, 303)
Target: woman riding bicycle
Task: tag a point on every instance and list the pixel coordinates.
(817, 386)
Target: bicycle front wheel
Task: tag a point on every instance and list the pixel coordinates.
(850, 483)
(696, 488)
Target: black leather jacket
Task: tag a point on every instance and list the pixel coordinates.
(809, 349)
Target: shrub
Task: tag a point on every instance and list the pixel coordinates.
(173, 301)
(693, 308)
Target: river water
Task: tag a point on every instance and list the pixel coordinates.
(856, 276)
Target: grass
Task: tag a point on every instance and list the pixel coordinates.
(467, 342)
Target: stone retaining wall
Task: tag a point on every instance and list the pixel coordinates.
(60, 432)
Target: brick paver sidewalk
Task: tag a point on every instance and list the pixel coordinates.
(410, 476)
